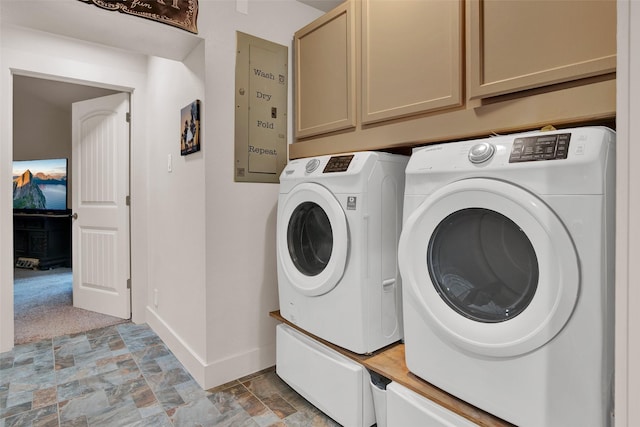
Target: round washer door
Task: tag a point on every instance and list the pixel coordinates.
(312, 239)
(490, 267)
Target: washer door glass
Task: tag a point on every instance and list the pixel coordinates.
(309, 238)
(488, 266)
(312, 239)
(483, 265)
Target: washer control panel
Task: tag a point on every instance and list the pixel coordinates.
(540, 147)
(338, 164)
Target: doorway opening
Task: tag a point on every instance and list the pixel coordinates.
(43, 268)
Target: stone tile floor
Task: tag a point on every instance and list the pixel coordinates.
(124, 375)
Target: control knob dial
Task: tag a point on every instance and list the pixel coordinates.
(481, 152)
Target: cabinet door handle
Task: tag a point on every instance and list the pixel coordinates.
(74, 215)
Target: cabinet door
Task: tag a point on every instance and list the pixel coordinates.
(515, 45)
(411, 57)
(325, 73)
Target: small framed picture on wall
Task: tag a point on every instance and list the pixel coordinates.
(190, 128)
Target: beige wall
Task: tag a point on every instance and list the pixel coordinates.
(40, 129)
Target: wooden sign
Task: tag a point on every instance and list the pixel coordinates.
(179, 13)
(261, 109)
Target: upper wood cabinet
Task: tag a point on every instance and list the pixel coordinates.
(411, 57)
(385, 59)
(395, 74)
(522, 44)
(325, 74)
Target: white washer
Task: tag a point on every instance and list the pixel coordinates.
(507, 260)
(339, 221)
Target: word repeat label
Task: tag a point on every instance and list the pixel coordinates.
(261, 109)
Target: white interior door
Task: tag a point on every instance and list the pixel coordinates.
(100, 182)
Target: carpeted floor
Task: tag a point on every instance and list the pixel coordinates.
(43, 306)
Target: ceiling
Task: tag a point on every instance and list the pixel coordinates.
(324, 5)
(72, 18)
(57, 94)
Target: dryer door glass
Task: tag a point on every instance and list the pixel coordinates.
(483, 265)
(309, 238)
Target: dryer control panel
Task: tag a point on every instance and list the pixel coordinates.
(540, 147)
(338, 164)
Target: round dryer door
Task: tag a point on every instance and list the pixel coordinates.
(312, 239)
(491, 267)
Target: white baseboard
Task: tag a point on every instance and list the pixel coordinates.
(191, 361)
(240, 365)
(209, 375)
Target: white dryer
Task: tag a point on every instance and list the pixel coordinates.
(339, 221)
(507, 261)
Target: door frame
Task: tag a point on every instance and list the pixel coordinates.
(627, 363)
(137, 295)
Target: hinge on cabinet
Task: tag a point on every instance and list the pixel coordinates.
(128, 201)
(128, 283)
(128, 117)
